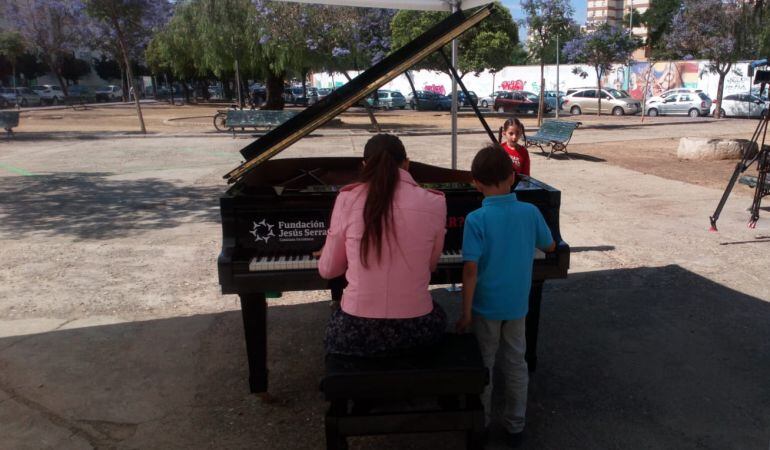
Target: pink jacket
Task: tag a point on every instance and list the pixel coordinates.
(396, 287)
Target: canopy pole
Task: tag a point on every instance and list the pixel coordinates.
(455, 8)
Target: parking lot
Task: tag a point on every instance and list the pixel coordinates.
(114, 333)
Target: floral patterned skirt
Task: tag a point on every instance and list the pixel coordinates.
(362, 336)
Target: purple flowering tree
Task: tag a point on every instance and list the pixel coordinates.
(129, 23)
(52, 28)
(707, 29)
(605, 46)
(545, 19)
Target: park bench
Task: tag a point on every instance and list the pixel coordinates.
(555, 134)
(232, 119)
(8, 120)
(436, 389)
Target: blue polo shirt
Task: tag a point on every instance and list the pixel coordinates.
(501, 237)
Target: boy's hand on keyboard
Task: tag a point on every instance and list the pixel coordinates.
(463, 325)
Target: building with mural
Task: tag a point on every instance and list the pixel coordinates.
(636, 79)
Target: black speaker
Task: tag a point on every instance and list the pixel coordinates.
(762, 76)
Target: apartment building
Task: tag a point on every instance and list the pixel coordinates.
(612, 12)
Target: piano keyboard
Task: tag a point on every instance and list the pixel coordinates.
(304, 262)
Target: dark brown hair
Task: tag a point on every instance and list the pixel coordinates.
(383, 154)
(510, 122)
(491, 165)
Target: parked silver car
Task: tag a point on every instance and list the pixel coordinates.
(693, 103)
(586, 101)
(26, 97)
(743, 105)
(390, 100)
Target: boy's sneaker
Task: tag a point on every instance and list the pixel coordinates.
(515, 439)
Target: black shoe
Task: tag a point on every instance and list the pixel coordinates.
(515, 439)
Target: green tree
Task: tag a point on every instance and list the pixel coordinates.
(227, 33)
(491, 45)
(176, 49)
(30, 66)
(545, 19)
(108, 69)
(12, 47)
(74, 68)
(658, 20)
(605, 46)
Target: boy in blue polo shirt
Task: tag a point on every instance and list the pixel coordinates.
(499, 243)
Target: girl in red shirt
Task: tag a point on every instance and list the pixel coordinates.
(513, 130)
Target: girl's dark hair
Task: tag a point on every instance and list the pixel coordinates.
(508, 123)
(491, 165)
(383, 155)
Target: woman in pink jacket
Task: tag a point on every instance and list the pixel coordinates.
(385, 236)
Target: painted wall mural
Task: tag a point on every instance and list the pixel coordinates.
(635, 79)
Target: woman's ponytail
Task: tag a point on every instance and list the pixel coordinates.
(383, 155)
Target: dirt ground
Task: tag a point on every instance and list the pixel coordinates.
(113, 333)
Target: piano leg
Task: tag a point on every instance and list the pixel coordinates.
(532, 323)
(254, 312)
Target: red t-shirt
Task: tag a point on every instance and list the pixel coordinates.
(519, 156)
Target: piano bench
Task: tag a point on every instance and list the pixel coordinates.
(434, 390)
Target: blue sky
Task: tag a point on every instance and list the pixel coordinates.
(579, 7)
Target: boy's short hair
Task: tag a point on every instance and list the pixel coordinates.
(491, 165)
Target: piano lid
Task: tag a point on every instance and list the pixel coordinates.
(358, 88)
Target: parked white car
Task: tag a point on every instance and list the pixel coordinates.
(49, 93)
(743, 105)
(109, 93)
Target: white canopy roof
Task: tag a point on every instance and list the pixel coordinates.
(436, 5)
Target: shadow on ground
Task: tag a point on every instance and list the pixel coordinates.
(654, 358)
(577, 156)
(92, 206)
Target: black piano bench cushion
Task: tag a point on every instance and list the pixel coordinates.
(452, 367)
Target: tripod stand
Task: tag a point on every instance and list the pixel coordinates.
(762, 158)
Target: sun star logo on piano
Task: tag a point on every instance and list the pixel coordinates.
(262, 231)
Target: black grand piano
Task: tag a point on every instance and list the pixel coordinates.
(276, 212)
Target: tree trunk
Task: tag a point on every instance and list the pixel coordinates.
(720, 88)
(274, 88)
(414, 91)
(541, 101)
(375, 124)
(15, 95)
(124, 50)
(123, 83)
(599, 91)
(186, 92)
(57, 71)
(304, 84)
(646, 88)
(238, 84)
